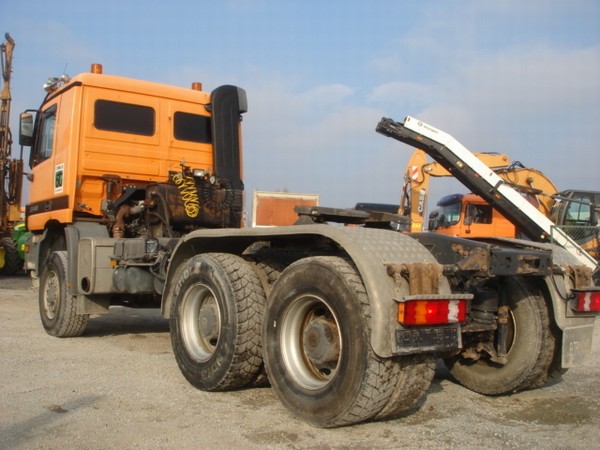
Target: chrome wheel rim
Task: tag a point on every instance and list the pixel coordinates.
(200, 322)
(51, 295)
(311, 343)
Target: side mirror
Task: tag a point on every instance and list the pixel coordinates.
(432, 224)
(26, 129)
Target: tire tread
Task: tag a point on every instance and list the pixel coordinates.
(12, 262)
(249, 299)
(68, 322)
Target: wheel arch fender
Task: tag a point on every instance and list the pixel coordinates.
(56, 237)
(370, 250)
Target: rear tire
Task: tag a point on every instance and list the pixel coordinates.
(317, 345)
(530, 353)
(216, 321)
(10, 262)
(555, 370)
(413, 375)
(58, 309)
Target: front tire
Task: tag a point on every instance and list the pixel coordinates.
(216, 321)
(58, 309)
(531, 350)
(317, 345)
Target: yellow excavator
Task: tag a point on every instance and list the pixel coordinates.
(469, 215)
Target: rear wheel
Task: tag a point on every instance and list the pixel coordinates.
(555, 370)
(216, 321)
(317, 351)
(10, 262)
(58, 309)
(530, 351)
(268, 270)
(413, 375)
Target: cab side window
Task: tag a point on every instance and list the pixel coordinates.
(579, 211)
(192, 128)
(124, 118)
(480, 213)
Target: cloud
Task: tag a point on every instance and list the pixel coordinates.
(534, 79)
(316, 140)
(532, 103)
(523, 101)
(409, 95)
(484, 72)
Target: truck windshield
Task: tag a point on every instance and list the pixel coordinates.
(42, 149)
(448, 215)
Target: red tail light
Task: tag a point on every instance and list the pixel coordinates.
(432, 312)
(588, 301)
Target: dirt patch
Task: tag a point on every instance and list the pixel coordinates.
(570, 410)
(119, 386)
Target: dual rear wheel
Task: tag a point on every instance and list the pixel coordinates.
(215, 320)
(314, 337)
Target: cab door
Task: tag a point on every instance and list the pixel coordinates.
(47, 198)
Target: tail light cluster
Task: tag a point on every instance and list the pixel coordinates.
(587, 301)
(441, 310)
(432, 311)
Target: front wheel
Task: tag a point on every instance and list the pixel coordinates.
(531, 348)
(317, 351)
(58, 309)
(216, 319)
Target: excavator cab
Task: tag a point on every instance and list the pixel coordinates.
(576, 212)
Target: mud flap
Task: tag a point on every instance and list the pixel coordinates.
(576, 345)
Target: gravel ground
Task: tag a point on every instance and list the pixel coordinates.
(118, 386)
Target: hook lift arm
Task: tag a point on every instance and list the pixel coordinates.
(483, 181)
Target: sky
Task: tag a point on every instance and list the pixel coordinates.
(508, 76)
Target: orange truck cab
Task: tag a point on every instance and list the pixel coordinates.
(469, 215)
(103, 141)
(120, 170)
